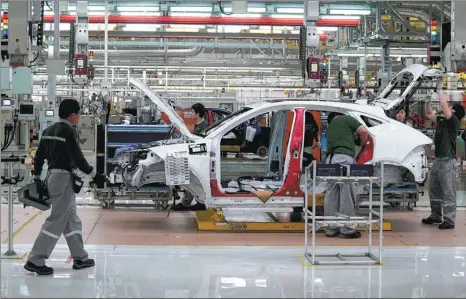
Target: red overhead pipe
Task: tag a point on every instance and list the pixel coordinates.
(117, 19)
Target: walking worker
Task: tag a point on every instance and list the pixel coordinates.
(59, 145)
(199, 113)
(442, 183)
(342, 132)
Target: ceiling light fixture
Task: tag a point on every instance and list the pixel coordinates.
(351, 12)
(256, 9)
(191, 8)
(190, 14)
(140, 13)
(335, 17)
(295, 10)
(137, 8)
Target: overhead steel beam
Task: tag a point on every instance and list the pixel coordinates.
(266, 21)
(400, 19)
(153, 34)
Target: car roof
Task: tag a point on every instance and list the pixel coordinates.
(295, 103)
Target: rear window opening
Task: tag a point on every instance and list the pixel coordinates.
(370, 122)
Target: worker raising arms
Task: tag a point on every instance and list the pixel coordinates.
(442, 183)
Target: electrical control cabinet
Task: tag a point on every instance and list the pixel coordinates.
(18, 31)
(82, 35)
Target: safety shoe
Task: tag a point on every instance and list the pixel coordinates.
(83, 264)
(430, 220)
(353, 235)
(446, 225)
(41, 270)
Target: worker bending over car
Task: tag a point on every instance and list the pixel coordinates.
(342, 132)
(59, 145)
(442, 183)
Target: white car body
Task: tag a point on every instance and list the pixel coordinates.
(394, 143)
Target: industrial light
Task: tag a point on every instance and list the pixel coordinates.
(335, 17)
(287, 16)
(190, 14)
(259, 31)
(244, 16)
(362, 12)
(183, 26)
(328, 29)
(140, 13)
(378, 55)
(98, 27)
(233, 28)
(433, 32)
(256, 9)
(266, 28)
(138, 9)
(141, 27)
(169, 29)
(290, 10)
(96, 8)
(191, 8)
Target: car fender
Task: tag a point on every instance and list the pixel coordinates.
(199, 177)
(406, 149)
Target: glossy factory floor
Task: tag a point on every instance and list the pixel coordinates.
(240, 272)
(142, 253)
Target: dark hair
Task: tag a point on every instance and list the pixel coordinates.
(199, 109)
(331, 116)
(68, 107)
(459, 110)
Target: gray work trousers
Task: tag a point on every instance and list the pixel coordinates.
(340, 198)
(442, 190)
(63, 219)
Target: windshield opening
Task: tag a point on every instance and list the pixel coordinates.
(219, 123)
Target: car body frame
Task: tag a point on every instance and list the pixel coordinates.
(391, 142)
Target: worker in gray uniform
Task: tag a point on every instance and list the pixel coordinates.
(59, 145)
(342, 132)
(442, 183)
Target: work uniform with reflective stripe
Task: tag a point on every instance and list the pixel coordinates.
(442, 184)
(60, 147)
(341, 198)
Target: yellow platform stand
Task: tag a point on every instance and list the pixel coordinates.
(214, 220)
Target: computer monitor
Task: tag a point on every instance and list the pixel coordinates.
(6, 103)
(49, 113)
(26, 111)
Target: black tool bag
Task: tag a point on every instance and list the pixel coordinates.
(77, 183)
(35, 195)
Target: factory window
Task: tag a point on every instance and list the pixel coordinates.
(370, 122)
(218, 115)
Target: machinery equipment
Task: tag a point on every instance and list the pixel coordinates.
(47, 117)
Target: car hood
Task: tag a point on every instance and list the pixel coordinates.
(417, 73)
(175, 119)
